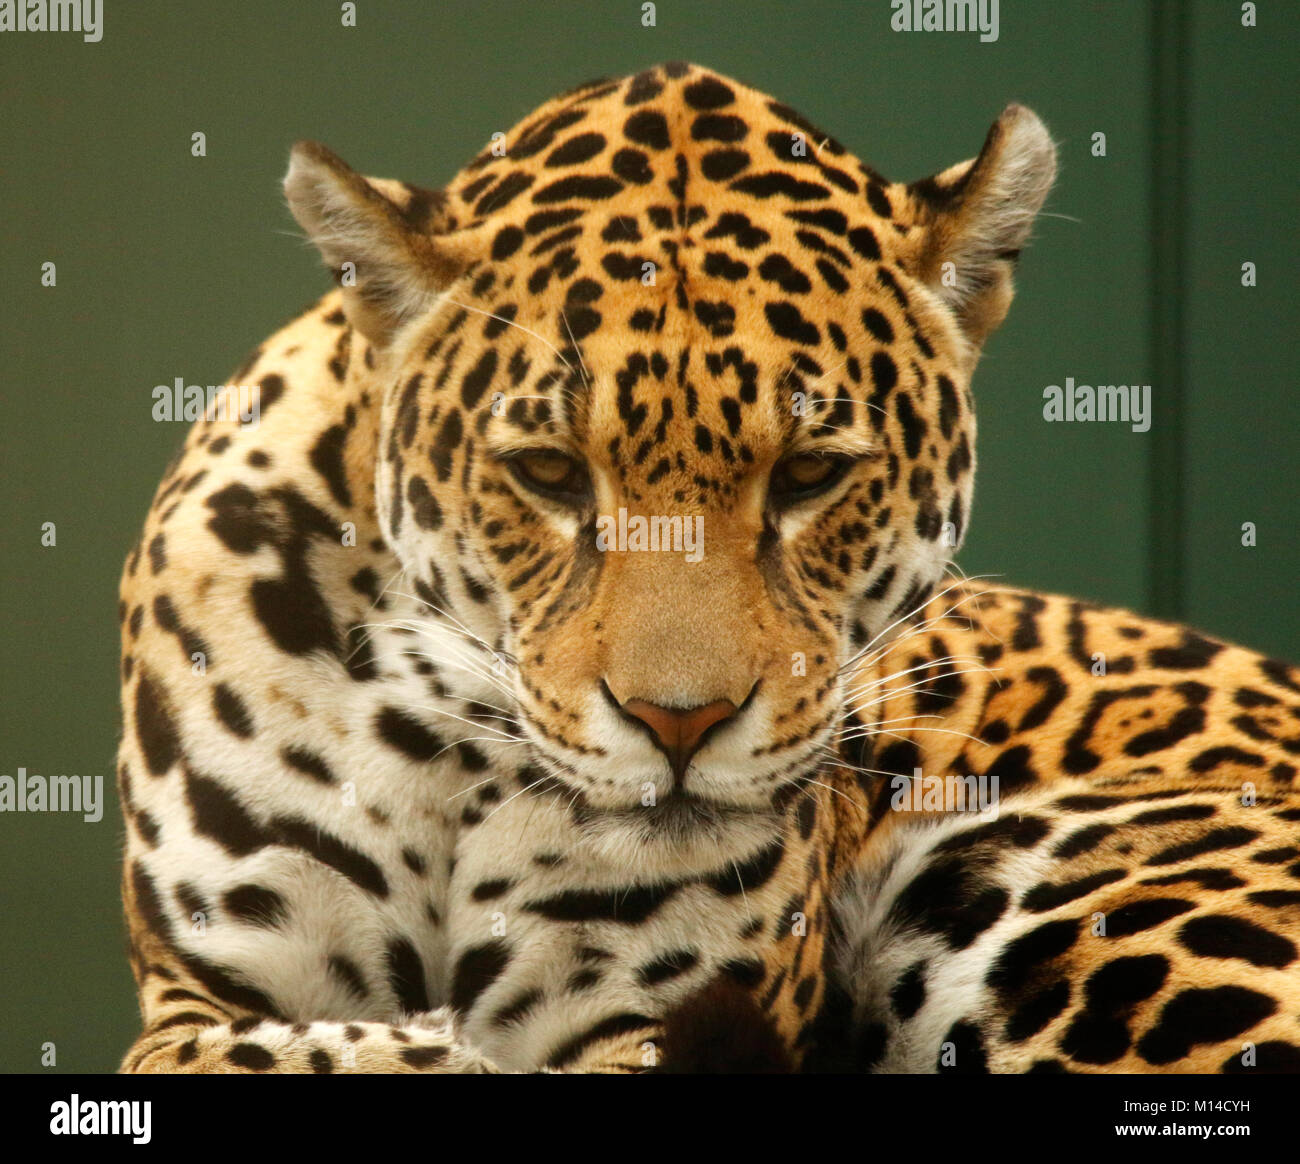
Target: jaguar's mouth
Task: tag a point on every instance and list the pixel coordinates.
(681, 832)
(678, 813)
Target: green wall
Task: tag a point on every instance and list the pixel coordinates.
(171, 266)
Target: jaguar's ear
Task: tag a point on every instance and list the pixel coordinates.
(379, 237)
(978, 214)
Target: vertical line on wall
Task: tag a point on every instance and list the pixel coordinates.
(1170, 95)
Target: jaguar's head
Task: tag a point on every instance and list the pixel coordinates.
(677, 418)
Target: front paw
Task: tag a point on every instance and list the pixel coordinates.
(721, 1030)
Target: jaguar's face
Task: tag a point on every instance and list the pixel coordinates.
(679, 540)
(673, 449)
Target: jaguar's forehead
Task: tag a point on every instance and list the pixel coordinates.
(675, 257)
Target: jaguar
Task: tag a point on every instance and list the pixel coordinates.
(420, 773)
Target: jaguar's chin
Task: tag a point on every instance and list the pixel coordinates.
(681, 833)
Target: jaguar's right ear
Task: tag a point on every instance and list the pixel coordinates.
(379, 237)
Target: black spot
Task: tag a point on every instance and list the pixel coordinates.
(666, 966)
(476, 970)
(722, 266)
(308, 763)
(1017, 964)
(329, 850)
(718, 317)
(1217, 879)
(913, 424)
(646, 127)
(580, 148)
(232, 711)
(424, 505)
(1276, 856)
(491, 890)
(775, 182)
(1082, 841)
(946, 898)
(349, 974)
(1045, 896)
(878, 325)
(407, 734)
(779, 270)
(1094, 1037)
(718, 127)
(630, 906)
(863, 240)
(1203, 1016)
(154, 726)
(723, 165)
(1220, 936)
(708, 93)
(644, 87)
(1211, 758)
(406, 976)
(516, 1009)
(327, 459)
(581, 322)
(1231, 837)
(255, 905)
(478, 378)
(908, 994)
(748, 875)
(250, 1057)
(786, 320)
(578, 186)
(806, 815)
(1192, 653)
(423, 1057)
(1024, 832)
(739, 227)
(508, 240)
(505, 191)
(619, 1024)
(632, 166)
(1143, 915)
(1032, 1016)
(450, 434)
(879, 200)
(270, 390)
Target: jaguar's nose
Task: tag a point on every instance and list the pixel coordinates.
(678, 732)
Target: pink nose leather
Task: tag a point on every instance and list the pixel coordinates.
(678, 730)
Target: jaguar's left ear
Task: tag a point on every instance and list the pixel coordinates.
(381, 239)
(978, 214)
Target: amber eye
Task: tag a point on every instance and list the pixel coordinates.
(806, 475)
(551, 474)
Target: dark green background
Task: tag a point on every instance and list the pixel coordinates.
(171, 266)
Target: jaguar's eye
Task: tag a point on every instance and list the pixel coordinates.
(807, 475)
(551, 474)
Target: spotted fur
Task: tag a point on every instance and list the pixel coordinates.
(390, 801)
